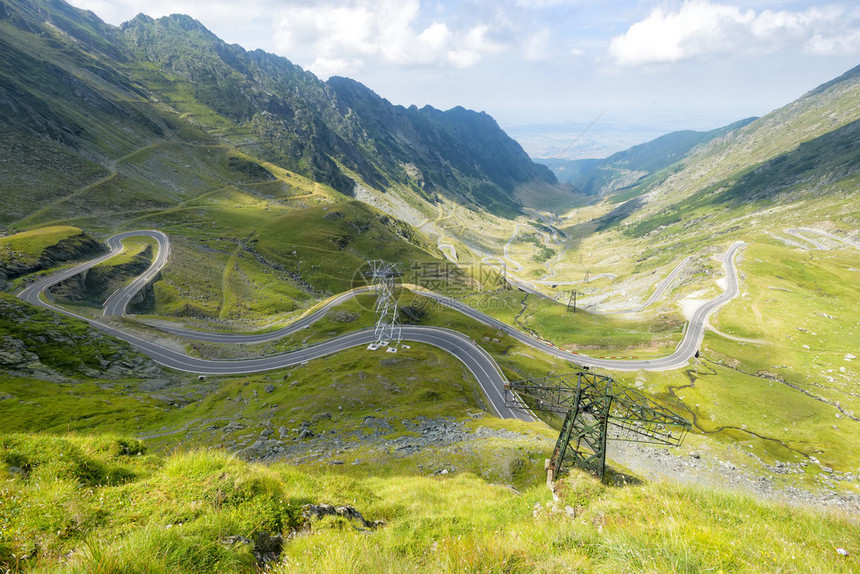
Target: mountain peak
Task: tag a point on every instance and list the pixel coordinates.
(180, 23)
(339, 133)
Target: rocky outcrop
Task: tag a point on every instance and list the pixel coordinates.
(265, 546)
(38, 344)
(96, 285)
(317, 511)
(80, 246)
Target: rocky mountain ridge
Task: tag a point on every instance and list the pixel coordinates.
(82, 95)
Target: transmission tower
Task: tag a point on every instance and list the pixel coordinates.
(595, 407)
(387, 330)
(573, 299)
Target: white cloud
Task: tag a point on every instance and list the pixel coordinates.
(342, 36)
(537, 46)
(327, 67)
(384, 30)
(835, 45)
(701, 28)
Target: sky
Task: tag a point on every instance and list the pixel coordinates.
(551, 71)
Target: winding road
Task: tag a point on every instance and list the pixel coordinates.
(685, 350)
(658, 292)
(796, 232)
(476, 359)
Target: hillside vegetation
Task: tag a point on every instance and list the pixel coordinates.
(275, 189)
(104, 106)
(804, 153)
(115, 508)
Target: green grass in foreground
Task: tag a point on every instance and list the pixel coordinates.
(101, 504)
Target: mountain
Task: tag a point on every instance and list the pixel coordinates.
(366, 458)
(447, 147)
(622, 169)
(805, 154)
(79, 96)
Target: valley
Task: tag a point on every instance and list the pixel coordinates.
(190, 374)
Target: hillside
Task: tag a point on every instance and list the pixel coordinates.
(86, 98)
(802, 154)
(625, 168)
(159, 123)
(270, 191)
(776, 374)
(117, 508)
(404, 471)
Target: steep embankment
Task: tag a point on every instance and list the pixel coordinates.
(39, 344)
(95, 285)
(31, 251)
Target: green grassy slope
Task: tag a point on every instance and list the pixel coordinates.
(625, 168)
(824, 169)
(29, 251)
(803, 153)
(222, 165)
(114, 508)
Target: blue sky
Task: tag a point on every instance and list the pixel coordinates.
(653, 66)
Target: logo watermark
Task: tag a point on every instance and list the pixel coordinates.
(457, 284)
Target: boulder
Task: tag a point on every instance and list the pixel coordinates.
(317, 511)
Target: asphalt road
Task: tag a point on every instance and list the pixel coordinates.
(796, 232)
(658, 292)
(478, 361)
(685, 350)
(814, 242)
(119, 300)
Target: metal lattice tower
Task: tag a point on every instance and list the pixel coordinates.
(382, 276)
(595, 407)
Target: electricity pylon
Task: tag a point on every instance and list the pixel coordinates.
(387, 330)
(595, 406)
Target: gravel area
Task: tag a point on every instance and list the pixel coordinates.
(709, 471)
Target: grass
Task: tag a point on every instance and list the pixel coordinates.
(253, 252)
(718, 387)
(248, 263)
(31, 244)
(767, 393)
(465, 522)
(580, 331)
(134, 248)
(544, 253)
(116, 508)
(75, 386)
(798, 304)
